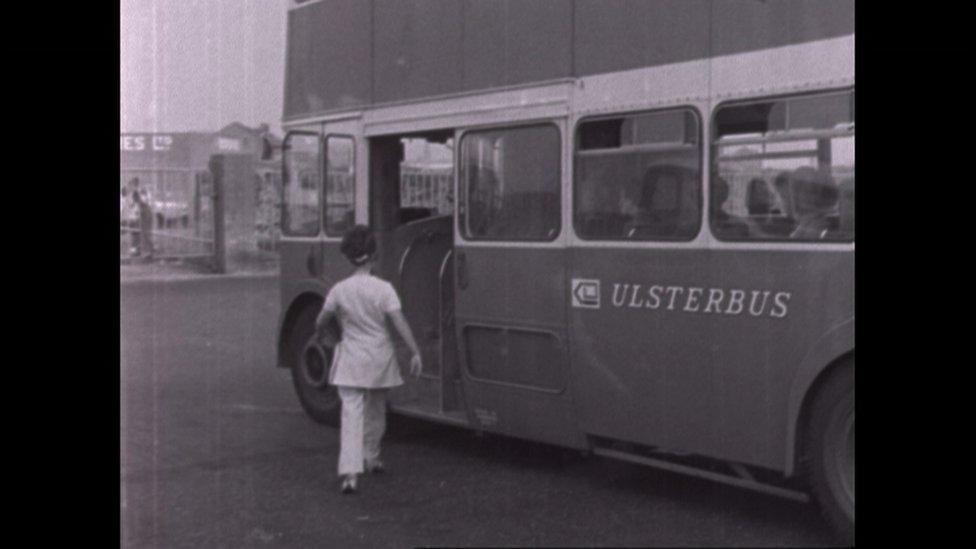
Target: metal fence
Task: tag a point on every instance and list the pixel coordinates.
(181, 206)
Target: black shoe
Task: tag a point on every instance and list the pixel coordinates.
(375, 468)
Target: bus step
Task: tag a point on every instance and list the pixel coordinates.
(743, 480)
(417, 410)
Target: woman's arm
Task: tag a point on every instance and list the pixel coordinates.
(400, 323)
(322, 321)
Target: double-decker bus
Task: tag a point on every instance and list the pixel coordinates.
(625, 227)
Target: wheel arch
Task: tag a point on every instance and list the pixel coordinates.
(832, 351)
(307, 298)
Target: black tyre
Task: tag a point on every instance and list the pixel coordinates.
(829, 450)
(310, 371)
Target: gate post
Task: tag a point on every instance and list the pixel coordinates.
(220, 251)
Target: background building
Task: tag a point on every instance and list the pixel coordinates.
(174, 166)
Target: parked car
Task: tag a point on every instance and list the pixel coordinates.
(171, 213)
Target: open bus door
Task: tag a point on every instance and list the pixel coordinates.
(411, 213)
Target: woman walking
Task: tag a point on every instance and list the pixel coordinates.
(364, 365)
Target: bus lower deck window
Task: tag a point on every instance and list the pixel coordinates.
(784, 169)
(511, 180)
(637, 177)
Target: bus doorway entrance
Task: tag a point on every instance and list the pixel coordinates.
(412, 215)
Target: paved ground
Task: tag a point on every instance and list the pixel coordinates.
(238, 262)
(216, 452)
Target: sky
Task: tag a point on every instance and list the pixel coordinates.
(198, 65)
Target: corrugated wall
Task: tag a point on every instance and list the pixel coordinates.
(349, 53)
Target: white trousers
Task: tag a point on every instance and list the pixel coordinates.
(362, 427)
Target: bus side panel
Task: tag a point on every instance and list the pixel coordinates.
(335, 266)
(307, 266)
(701, 356)
(836, 343)
(511, 325)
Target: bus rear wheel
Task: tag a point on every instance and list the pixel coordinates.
(310, 371)
(829, 450)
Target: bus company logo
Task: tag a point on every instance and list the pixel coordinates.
(701, 300)
(586, 293)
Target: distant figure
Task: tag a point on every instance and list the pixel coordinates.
(759, 201)
(727, 226)
(782, 185)
(129, 219)
(660, 202)
(595, 194)
(814, 198)
(485, 204)
(601, 208)
(142, 239)
(626, 201)
(778, 221)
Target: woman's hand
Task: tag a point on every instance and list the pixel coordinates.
(400, 322)
(416, 366)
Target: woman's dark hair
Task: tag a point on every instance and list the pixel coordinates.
(358, 245)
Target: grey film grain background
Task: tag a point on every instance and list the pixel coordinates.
(199, 64)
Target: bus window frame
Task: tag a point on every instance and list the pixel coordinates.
(285, 230)
(324, 204)
(713, 156)
(461, 194)
(699, 119)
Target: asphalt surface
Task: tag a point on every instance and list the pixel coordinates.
(217, 452)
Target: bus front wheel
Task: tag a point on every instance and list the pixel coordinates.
(310, 371)
(830, 449)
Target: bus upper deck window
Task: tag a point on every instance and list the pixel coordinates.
(637, 177)
(784, 169)
(300, 185)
